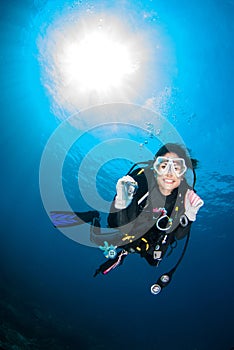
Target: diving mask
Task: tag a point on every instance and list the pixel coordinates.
(163, 165)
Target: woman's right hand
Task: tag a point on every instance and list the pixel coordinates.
(126, 188)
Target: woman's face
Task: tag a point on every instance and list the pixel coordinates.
(169, 181)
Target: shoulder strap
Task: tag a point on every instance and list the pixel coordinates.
(139, 167)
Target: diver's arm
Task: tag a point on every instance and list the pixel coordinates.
(119, 217)
(192, 205)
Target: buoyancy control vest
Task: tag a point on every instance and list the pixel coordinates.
(151, 207)
(156, 201)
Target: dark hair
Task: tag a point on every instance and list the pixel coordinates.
(180, 150)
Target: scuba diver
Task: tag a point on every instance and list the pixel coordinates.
(154, 207)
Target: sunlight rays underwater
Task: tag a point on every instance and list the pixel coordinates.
(95, 56)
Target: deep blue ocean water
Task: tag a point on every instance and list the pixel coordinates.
(49, 298)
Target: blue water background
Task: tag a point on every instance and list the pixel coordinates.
(48, 294)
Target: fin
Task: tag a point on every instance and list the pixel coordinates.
(70, 218)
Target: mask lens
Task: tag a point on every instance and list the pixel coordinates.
(178, 166)
(163, 165)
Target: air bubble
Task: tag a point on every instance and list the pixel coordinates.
(157, 132)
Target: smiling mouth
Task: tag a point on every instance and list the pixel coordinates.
(169, 182)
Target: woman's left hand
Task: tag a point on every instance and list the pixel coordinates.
(192, 204)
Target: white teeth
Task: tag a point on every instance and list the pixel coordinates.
(169, 181)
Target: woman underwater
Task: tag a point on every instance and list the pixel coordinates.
(154, 207)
